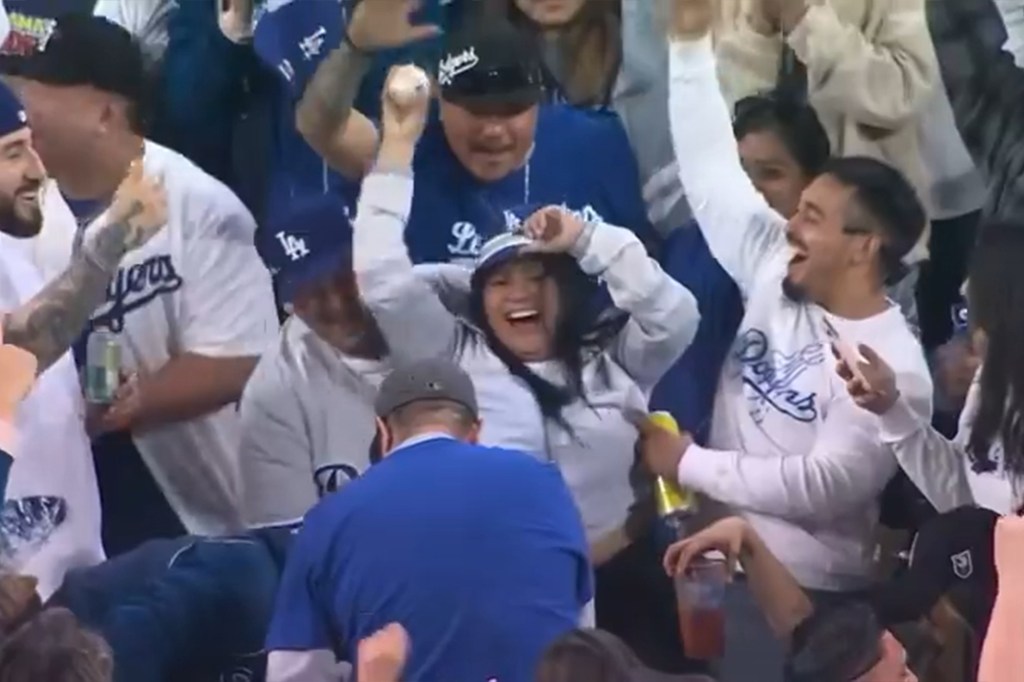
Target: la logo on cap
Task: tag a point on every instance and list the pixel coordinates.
(294, 247)
(454, 64)
(22, 116)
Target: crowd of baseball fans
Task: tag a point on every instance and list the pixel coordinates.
(339, 339)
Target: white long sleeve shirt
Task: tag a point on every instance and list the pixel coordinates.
(789, 449)
(941, 468)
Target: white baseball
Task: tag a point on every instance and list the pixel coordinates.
(407, 83)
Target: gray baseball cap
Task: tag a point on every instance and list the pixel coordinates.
(432, 379)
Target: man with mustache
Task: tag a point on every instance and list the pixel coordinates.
(492, 145)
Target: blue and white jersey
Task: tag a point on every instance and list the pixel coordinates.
(581, 160)
(50, 521)
(197, 287)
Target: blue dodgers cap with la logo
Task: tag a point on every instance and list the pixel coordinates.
(12, 115)
(312, 240)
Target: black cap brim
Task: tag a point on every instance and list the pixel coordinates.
(517, 100)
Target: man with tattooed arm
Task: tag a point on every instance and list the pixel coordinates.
(192, 311)
(51, 520)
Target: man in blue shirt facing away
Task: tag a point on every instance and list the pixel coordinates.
(478, 552)
(491, 146)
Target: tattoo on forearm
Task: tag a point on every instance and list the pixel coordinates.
(49, 323)
(330, 94)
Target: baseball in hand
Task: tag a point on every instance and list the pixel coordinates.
(407, 83)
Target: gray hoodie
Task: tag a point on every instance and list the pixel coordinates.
(597, 457)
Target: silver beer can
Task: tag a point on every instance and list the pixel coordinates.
(102, 367)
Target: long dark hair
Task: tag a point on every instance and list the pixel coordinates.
(793, 121)
(995, 301)
(579, 332)
(590, 49)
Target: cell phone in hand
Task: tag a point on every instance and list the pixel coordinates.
(848, 353)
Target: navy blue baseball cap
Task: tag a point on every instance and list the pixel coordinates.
(311, 241)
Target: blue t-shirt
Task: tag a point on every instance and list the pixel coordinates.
(292, 37)
(581, 159)
(478, 552)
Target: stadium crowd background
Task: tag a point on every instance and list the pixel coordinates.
(382, 361)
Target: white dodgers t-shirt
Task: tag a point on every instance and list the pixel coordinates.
(51, 520)
(197, 287)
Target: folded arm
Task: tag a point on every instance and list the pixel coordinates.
(883, 81)
(845, 470)
(739, 226)
(663, 314)
(227, 319)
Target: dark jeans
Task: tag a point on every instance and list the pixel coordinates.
(134, 508)
(190, 609)
(636, 600)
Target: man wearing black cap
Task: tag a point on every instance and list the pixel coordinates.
(492, 147)
(478, 552)
(290, 38)
(51, 521)
(192, 311)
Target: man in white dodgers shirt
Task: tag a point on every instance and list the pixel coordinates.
(51, 519)
(194, 309)
(789, 450)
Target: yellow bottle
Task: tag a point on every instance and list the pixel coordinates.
(673, 500)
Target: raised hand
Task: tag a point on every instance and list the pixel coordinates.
(140, 203)
(873, 385)
(382, 656)
(553, 229)
(380, 24)
(138, 212)
(726, 536)
(17, 376)
(691, 19)
(405, 105)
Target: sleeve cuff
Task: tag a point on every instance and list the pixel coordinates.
(899, 423)
(699, 466)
